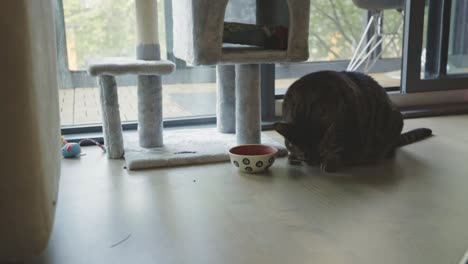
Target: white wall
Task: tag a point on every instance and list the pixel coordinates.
(30, 132)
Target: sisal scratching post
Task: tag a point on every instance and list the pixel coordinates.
(226, 98)
(248, 109)
(150, 119)
(111, 116)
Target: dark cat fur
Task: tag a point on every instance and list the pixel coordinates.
(336, 119)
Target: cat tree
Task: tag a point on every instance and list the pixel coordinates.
(148, 67)
(198, 39)
(198, 27)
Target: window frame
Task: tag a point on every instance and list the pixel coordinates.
(71, 79)
(409, 81)
(437, 46)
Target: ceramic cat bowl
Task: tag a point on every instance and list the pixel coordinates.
(252, 158)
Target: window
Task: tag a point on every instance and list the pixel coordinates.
(106, 28)
(435, 57)
(436, 37)
(99, 28)
(336, 28)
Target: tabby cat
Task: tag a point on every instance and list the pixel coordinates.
(336, 119)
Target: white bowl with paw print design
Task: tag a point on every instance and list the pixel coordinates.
(252, 158)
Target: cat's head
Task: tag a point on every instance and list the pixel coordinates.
(301, 144)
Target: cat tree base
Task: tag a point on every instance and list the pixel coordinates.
(186, 147)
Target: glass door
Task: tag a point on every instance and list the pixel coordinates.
(435, 54)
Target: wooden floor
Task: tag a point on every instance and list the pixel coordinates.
(413, 209)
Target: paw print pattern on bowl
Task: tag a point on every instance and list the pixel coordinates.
(252, 158)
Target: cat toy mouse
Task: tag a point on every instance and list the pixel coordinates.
(72, 150)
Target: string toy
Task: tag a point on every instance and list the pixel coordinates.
(71, 150)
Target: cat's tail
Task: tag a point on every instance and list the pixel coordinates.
(413, 136)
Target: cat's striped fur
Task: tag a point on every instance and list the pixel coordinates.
(334, 118)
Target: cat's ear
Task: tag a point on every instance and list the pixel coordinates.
(283, 128)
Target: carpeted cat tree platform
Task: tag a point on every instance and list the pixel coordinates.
(199, 38)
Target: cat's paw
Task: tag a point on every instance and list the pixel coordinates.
(330, 165)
